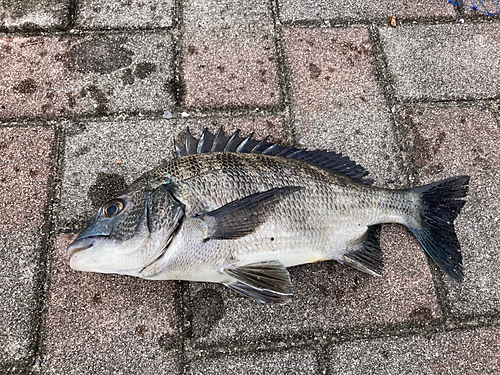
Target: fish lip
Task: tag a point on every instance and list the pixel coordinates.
(80, 244)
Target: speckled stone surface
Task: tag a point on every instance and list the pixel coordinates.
(25, 167)
(32, 15)
(442, 62)
(337, 102)
(229, 54)
(334, 10)
(281, 362)
(443, 146)
(102, 158)
(95, 74)
(98, 14)
(442, 353)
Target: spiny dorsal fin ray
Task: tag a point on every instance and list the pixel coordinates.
(219, 142)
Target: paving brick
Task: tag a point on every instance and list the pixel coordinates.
(108, 324)
(24, 171)
(465, 352)
(443, 61)
(337, 100)
(18, 302)
(327, 297)
(229, 54)
(454, 141)
(102, 157)
(283, 362)
(99, 14)
(293, 10)
(34, 14)
(81, 75)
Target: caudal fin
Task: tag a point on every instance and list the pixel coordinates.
(441, 204)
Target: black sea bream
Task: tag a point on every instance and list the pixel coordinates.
(239, 211)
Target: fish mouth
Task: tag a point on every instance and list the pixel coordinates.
(80, 245)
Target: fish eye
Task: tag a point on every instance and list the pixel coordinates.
(113, 208)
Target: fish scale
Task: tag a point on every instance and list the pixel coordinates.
(239, 211)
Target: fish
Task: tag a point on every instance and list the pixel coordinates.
(239, 211)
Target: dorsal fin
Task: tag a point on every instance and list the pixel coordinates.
(220, 142)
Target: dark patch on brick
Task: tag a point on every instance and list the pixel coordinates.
(106, 187)
(7, 48)
(140, 330)
(71, 100)
(127, 77)
(166, 342)
(192, 49)
(100, 98)
(331, 292)
(101, 56)
(97, 299)
(436, 168)
(26, 86)
(82, 151)
(209, 310)
(144, 69)
(314, 70)
(421, 147)
(77, 128)
(439, 141)
(421, 313)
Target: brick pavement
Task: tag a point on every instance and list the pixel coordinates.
(92, 92)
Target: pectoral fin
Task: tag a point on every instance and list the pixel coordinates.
(264, 281)
(244, 216)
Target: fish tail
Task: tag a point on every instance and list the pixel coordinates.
(440, 206)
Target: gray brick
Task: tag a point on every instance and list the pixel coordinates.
(337, 100)
(80, 75)
(101, 158)
(466, 352)
(18, 303)
(443, 61)
(25, 166)
(34, 14)
(456, 141)
(282, 362)
(229, 54)
(99, 14)
(293, 10)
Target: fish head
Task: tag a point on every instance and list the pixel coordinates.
(129, 232)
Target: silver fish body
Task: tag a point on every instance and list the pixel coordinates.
(240, 218)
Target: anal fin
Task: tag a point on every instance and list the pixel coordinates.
(366, 255)
(264, 281)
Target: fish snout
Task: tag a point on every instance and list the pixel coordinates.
(80, 244)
